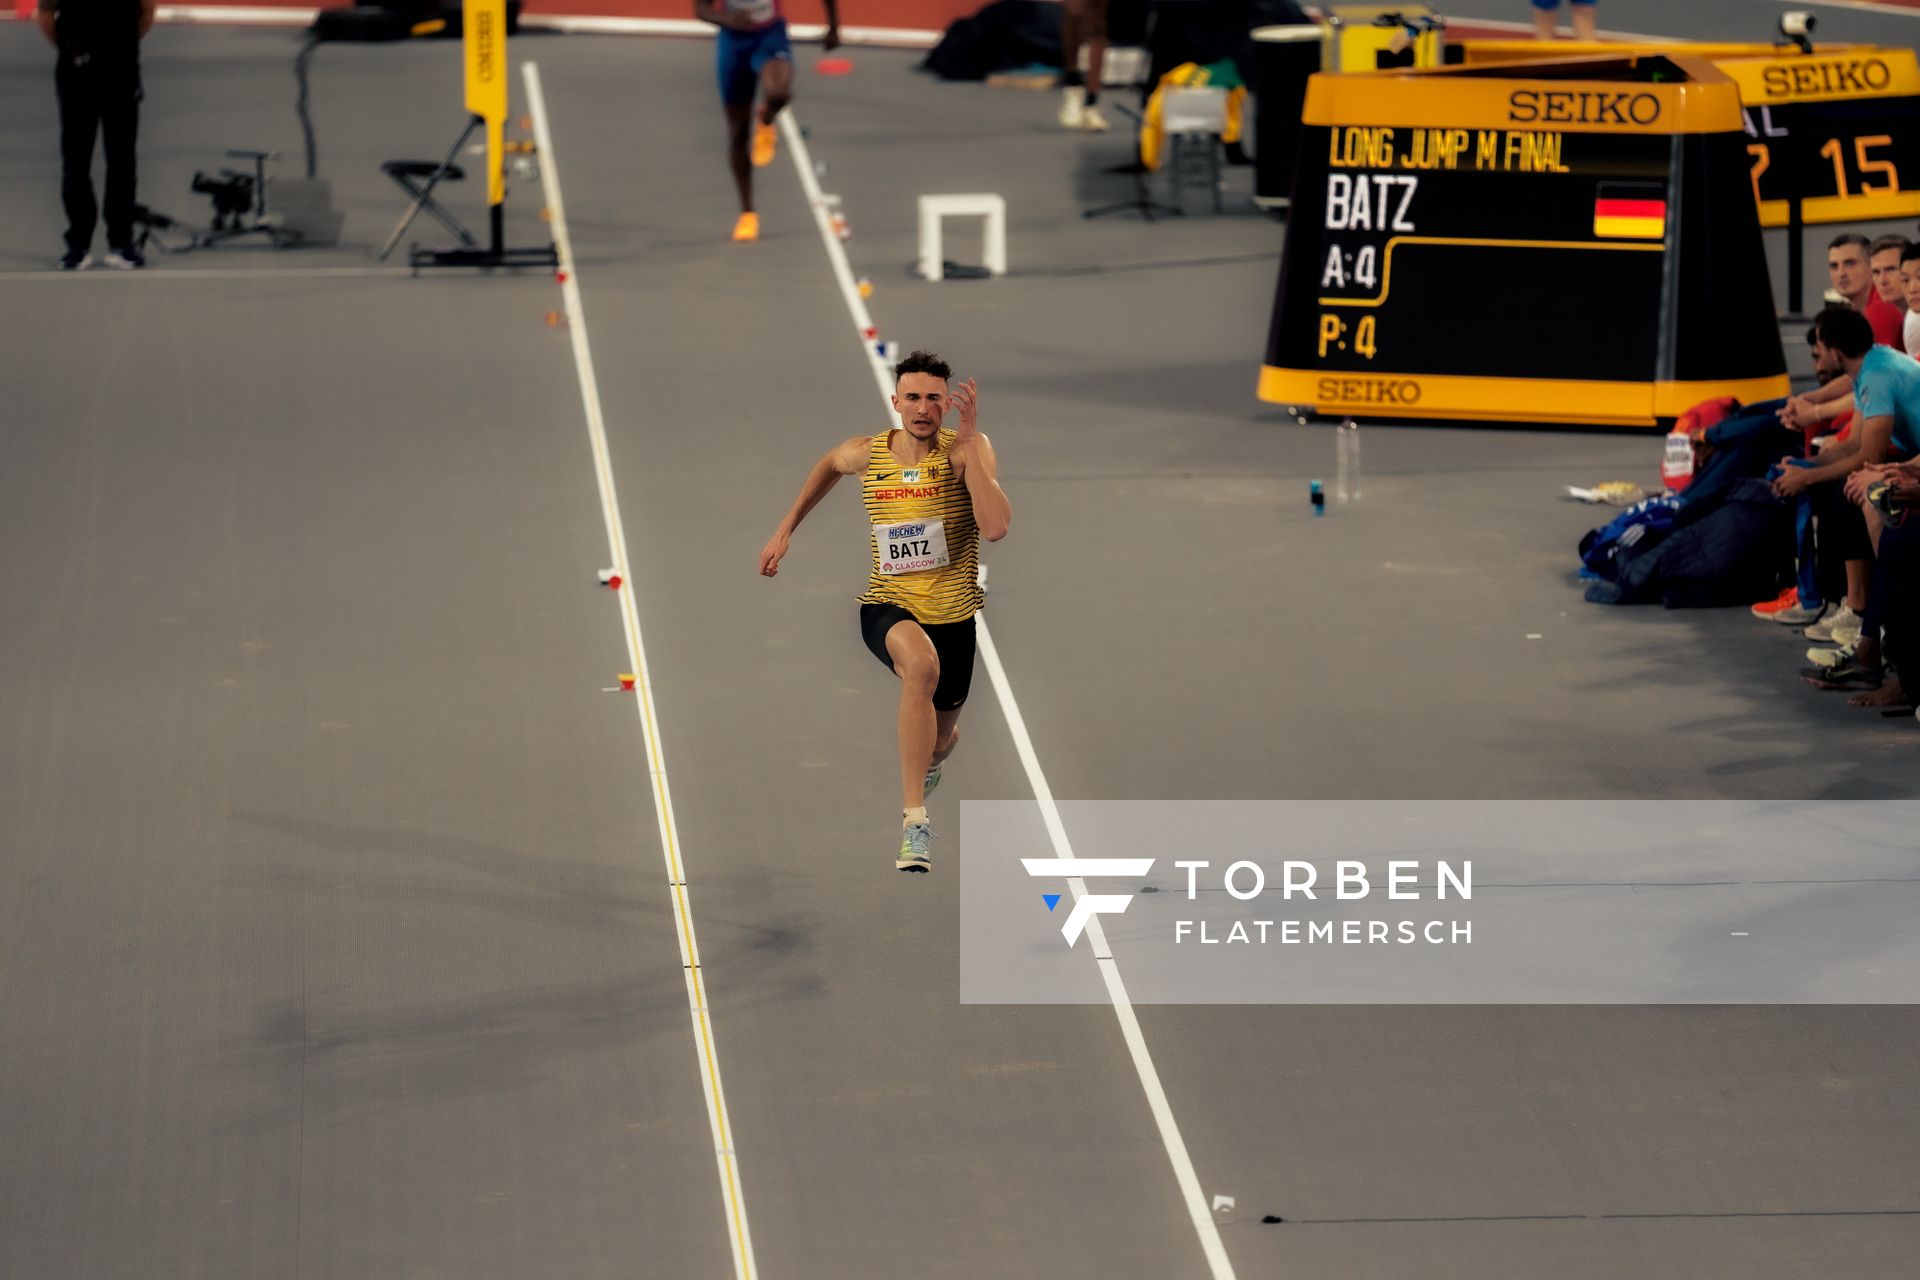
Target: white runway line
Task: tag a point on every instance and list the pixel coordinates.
(583, 24)
(153, 271)
(1220, 1267)
(601, 25)
(725, 1156)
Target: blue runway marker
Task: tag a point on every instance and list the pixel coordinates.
(1051, 899)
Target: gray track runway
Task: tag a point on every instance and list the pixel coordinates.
(334, 932)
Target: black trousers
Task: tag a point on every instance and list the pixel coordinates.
(1842, 536)
(1895, 601)
(99, 97)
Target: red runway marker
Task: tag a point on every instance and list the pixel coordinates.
(834, 66)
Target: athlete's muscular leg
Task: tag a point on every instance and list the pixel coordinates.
(1083, 22)
(1073, 32)
(739, 134)
(1094, 31)
(776, 88)
(946, 733)
(918, 666)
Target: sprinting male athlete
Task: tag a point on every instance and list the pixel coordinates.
(754, 57)
(931, 495)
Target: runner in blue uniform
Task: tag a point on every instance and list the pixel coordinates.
(754, 58)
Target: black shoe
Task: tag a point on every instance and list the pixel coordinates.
(75, 260)
(126, 258)
(1846, 674)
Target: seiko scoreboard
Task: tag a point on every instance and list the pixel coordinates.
(1566, 242)
(1839, 127)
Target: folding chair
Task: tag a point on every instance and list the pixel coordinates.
(418, 178)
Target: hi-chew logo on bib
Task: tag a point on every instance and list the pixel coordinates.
(912, 546)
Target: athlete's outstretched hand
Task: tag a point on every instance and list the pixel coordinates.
(966, 399)
(773, 553)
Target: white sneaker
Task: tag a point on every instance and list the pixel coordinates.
(1828, 630)
(1092, 121)
(913, 855)
(1799, 615)
(1073, 106)
(1829, 657)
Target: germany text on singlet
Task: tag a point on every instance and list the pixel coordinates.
(926, 547)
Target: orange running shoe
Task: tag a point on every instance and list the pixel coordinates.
(765, 138)
(747, 228)
(1785, 600)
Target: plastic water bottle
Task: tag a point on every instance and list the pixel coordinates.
(1347, 461)
(1352, 430)
(1318, 497)
(1340, 463)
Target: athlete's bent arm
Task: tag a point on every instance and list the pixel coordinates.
(1829, 400)
(1867, 445)
(1832, 389)
(992, 513)
(1801, 412)
(845, 459)
(992, 510)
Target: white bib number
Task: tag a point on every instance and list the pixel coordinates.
(911, 546)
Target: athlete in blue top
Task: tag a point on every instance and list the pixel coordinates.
(1886, 424)
(1888, 385)
(754, 56)
(1886, 402)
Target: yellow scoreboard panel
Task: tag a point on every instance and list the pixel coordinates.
(1841, 125)
(1548, 243)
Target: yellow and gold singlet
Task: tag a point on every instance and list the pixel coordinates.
(926, 546)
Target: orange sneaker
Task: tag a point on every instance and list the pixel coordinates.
(765, 138)
(1785, 600)
(747, 228)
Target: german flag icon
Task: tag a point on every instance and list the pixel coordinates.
(1630, 211)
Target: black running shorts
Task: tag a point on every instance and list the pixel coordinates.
(952, 641)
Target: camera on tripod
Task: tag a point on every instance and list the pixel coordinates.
(301, 211)
(232, 193)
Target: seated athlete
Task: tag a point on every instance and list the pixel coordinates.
(754, 58)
